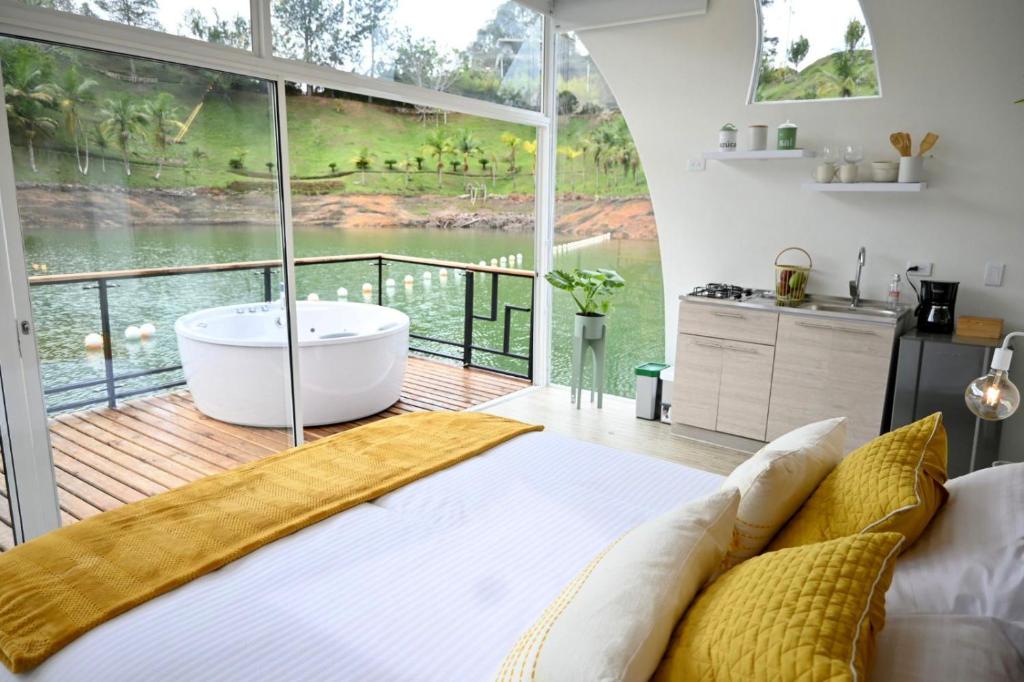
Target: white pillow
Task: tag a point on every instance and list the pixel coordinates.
(777, 480)
(949, 649)
(970, 559)
(614, 620)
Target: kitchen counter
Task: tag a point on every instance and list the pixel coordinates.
(833, 307)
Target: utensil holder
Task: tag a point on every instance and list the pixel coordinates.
(911, 168)
(791, 280)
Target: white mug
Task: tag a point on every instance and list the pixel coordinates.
(825, 172)
(848, 172)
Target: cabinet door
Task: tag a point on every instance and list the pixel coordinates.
(697, 381)
(830, 369)
(745, 388)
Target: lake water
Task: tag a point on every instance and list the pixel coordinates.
(66, 313)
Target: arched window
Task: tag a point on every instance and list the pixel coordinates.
(812, 50)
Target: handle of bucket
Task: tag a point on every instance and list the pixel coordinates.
(810, 263)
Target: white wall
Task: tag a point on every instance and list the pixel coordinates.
(950, 66)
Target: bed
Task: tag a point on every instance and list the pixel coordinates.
(434, 581)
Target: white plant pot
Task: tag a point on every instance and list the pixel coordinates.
(589, 326)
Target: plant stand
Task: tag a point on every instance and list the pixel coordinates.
(589, 335)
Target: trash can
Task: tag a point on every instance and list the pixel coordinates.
(668, 377)
(648, 390)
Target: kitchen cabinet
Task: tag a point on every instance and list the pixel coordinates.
(722, 385)
(828, 368)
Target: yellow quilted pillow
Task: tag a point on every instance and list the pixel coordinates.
(809, 613)
(893, 483)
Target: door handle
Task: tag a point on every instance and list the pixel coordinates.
(740, 349)
(708, 344)
(719, 313)
(26, 329)
(829, 327)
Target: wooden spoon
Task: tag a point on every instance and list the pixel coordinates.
(927, 143)
(896, 142)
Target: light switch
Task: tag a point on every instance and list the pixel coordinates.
(696, 165)
(994, 274)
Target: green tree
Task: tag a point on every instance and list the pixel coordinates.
(437, 145)
(162, 113)
(797, 51)
(467, 146)
(313, 31)
(28, 104)
(371, 20)
(855, 31)
(362, 161)
(125, 122)
(141, 13)
(419, 61)
(234, 31)
(513, 142)
(72, 93)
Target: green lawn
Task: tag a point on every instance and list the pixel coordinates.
(819, 80)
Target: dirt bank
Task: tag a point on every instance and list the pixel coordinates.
(77, 207)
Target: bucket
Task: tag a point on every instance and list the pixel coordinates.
(791, 280)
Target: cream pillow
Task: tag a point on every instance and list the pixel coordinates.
(614, 620)
(777, 480)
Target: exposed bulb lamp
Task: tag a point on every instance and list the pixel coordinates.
(993, 397)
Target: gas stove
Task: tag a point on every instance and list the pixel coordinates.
(722, 291)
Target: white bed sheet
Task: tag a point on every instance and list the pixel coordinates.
(435, 581)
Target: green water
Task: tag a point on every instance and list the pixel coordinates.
(65, 313)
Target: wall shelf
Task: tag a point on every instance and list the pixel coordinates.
(765, 155)
(865, 186)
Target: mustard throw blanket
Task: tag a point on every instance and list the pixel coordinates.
(59, 586)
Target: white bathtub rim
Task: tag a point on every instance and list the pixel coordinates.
(183, 325)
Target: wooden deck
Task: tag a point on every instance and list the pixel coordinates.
(104, 458)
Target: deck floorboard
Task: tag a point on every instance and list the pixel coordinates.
(107, 457)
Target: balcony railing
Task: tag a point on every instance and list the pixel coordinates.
(461, 350)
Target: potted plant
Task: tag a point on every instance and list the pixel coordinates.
(592, 291)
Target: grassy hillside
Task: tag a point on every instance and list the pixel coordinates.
(230, 139)
(820, 80)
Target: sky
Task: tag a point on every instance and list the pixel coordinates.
(822, 22)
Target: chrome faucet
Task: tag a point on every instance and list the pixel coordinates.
(862, 257)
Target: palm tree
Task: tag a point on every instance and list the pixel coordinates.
(437, 145)
(468, 146)
(27, 101)
(162, 113)
(513, 143)
(362, 162)
(530, 147)
(102, 142)
(125, 121)
(72, 94)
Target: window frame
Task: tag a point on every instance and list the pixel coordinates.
(755, 69)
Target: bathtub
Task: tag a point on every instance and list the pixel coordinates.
(352, 360)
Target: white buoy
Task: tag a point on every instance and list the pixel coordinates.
(132, 333)
(367, 288)
(483, 264)
(503, 262)
(342, 293)
(93, 341)
(442, 273)
(313, 297)
(409, 280)
(519, 258)
(511, 259)
(427, 275)
(390, 284)
(494, 262)
(147, 330)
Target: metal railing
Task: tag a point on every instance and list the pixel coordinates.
(462, 350)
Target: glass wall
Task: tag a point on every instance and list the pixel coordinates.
(486, 49)
(814, 50)
(6, 528)
(225, 24)
(143, 202)
(604, 219)
(378, 176)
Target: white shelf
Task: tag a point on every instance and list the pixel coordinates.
(766, 155)
(865, 186)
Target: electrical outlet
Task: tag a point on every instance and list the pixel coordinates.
(696, 165)
(923, 269)
(994, 274)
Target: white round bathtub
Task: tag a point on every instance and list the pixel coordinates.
(352, 360)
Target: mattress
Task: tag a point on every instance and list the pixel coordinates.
(434, 581)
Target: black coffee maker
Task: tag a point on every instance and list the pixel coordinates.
(936, 311)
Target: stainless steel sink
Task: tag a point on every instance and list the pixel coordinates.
(864, 309)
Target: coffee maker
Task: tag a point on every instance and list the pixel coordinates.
(936, 311)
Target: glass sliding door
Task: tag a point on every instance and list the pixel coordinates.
(150, 213)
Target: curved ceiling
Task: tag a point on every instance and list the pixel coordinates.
(579, 15)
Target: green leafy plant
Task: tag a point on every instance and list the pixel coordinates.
(592, 290)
